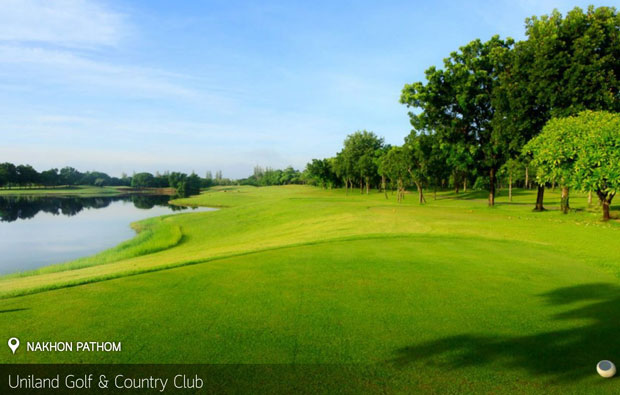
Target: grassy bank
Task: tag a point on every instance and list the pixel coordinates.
(451, 296)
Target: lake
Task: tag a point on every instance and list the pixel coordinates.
(37, 231)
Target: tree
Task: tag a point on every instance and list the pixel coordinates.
(8, 174)
(143, 180)
(90, 178)
(597, 167)
(289, 176)
(553, 157)
(161, 180)
(26, 175)
(192, 186)
(319, 171)
(343, 169)
(394, 166)
(459, 162)
(456, 103)
(175, 179)
(70, 176)
(513, 169)
(379, 158)
(367, 168)
(435, 160)
(566, 65)
(356, 160)
(417, 151)
(50, 177)
(584, 151)
(575, 59)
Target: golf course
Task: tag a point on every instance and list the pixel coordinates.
(450, 296)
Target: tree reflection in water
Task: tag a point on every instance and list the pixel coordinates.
(13, 208)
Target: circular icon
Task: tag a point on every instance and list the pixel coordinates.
(606, 369)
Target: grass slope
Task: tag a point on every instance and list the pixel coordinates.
(447, 297)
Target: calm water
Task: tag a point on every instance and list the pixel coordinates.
(38, 231)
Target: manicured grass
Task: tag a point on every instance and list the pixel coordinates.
(67, 191)
(448, 297)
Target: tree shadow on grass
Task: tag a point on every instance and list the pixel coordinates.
(481, 194)
(562, 355)
(12, 310)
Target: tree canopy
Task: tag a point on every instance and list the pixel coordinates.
(584, 150)
(456, 103)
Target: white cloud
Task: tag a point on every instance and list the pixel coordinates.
(60, 42)
(83, 73)
(74, 23)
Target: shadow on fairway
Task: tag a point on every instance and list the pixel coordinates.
(562, 355)
(478, 194)
(12, 310)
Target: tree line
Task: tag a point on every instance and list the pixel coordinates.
(268, 176)
(534, 112)
(25, 176)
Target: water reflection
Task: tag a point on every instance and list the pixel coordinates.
(13, 208)
(36, 231)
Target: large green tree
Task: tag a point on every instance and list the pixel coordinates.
(567, 64)
(356, 161)
(457, 105)
(584, 151)
(427, 161)
(574, 60)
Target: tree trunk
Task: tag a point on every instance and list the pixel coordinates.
(367, 185)
(510, 188)
(553, 186)
(465, 185)
(383, 186)
(564, 206)
(435, 193)
(539, 198)
(606, 215)
(605, 199)
(492, 182)
(456, 184)
(361, 186)
(589, 198)
(420, 193)
(527, 177)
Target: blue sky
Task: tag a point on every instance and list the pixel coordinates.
(209, 85)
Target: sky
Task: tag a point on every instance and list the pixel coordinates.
(155, 85)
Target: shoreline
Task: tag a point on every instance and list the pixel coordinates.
(86, 190)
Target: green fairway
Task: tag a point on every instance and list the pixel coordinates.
(451, 296)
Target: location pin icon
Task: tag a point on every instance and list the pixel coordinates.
(13, 344)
